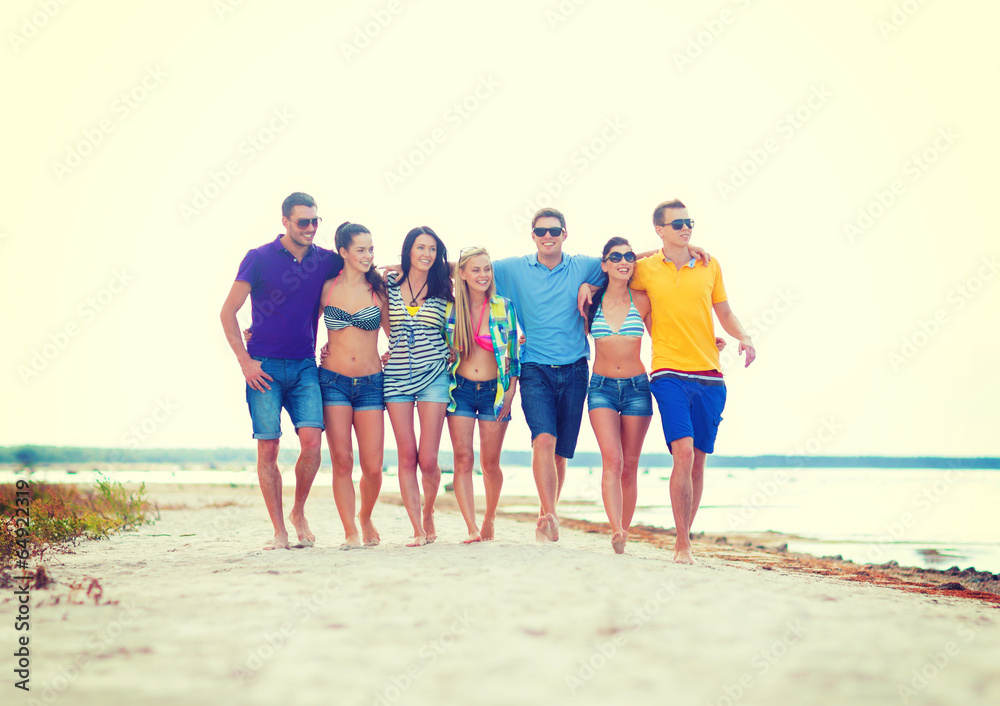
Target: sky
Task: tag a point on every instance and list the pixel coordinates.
(839, 160)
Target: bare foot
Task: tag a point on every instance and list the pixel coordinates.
(618, 540)
(486, 533)
(541, 529)
(352, 542)
(683, 556)
(280, 542)
(418, 541)
(473, 537)
(369, 534)
(306, 537)
(553, 530)
(429, 526)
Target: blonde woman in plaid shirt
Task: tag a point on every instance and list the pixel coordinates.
(481, 328)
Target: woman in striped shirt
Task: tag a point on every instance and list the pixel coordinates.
(416, 373)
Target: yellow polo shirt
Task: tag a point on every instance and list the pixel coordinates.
(682, 299)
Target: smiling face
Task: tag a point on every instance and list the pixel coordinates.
(674, 238)
(548, 244)
(360, 254)
(477, 273)
(618, 270)
(302, 237)
(423, 253)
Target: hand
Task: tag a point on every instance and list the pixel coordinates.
(521, 339)
(507, 400)
(720, 343)
(584, 298)
(324, 352)
(385, 358)
(747, 345)
(452, 355)
(246, 335)
(255, 375)
(700, 253)
(387, 269)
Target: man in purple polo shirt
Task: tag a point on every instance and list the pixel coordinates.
(283, 279)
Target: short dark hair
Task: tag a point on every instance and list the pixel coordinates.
(549, 213)
(658, 211)
(299, 198)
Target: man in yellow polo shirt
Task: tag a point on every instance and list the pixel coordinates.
(687, 380)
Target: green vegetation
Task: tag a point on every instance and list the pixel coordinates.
(60, 513)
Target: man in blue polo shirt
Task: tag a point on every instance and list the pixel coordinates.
(283, 279)
(554, 374)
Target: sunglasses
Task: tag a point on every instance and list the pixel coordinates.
(540, 232)
(679, 223)
(306, 222)
(619, 256)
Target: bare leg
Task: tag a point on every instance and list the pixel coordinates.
(697, 481)
(491, 436)
(269, 478)
(401, 418)
(681, 495)
(310, 442)
(633, 434)
(607, 429)
(369, 427)
(544, 467)
(431, 416)
(461, 430)
(338, 420)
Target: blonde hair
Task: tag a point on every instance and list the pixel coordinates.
(464, 335)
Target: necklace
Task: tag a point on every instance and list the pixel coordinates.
(413, 297)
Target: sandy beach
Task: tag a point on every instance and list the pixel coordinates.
(191, 610)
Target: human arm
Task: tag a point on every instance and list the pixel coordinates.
(584, 298)
(252, 371)
(514, 359)
(733, 327)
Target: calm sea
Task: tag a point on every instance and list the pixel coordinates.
(930, 518)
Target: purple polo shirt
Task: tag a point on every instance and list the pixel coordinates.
(284, 298)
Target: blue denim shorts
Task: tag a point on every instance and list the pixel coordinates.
(362, 393)
(435, 391)
(630, 397)
(475, 399)
(295, 387)
(690, 408)
(552, 398)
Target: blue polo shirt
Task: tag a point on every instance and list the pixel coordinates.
(284, 298)
(545, 302)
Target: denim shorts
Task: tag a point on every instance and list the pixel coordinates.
(295, 387)
(363, 394)
(475, 399)
(630, 397)
(552, 398)
(435, 391)
(690, 408)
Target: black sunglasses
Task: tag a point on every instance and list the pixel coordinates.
(540, 232)
(618, 256)
(679, 223)
(306, 222)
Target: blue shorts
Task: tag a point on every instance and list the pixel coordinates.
(552, 399)
(475, 399)
(295, 387)
(363, 394)
(690, 407)
(435, 391)
(629, 397)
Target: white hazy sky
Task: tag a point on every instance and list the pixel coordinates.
(117, 248)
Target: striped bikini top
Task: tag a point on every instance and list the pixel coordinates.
(631, 326)
(368, 319)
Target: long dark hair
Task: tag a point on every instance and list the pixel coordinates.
(343, 239)
(439, 277)
(595, 302)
